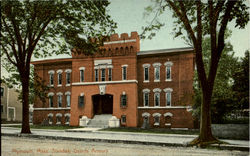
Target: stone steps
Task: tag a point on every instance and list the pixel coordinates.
(100, 121)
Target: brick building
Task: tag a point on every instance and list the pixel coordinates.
(137, 87)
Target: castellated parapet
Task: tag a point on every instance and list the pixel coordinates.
(115, 45)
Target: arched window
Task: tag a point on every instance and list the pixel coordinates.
(156, 119)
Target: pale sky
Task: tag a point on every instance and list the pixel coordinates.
(129, 16)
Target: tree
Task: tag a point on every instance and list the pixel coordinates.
(42, 28)
(222, 101)
(200, 19)
(241, 83)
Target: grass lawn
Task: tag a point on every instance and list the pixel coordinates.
(59, 127)
(153, 130)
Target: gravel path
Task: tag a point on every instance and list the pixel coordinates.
(12, 146)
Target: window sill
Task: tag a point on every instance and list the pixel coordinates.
(66, 123)
(50, 123)
(156, 124)
(67, 85)
(59, 85)
(167, 124)
(156, 80)
(146, 81)
(50, 85)
(168, 80)
(123, 107)
(58, 123)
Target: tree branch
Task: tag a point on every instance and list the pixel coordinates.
(182, 15)
(11, 37)
(8, 56)
(224, 22)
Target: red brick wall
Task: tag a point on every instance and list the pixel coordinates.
(182, 72)
(40, 115)
(114, 89)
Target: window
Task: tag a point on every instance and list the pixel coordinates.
(124, 72)
(58, 118)
(96, 75)
(168, 73)
(68, 78)
(50, 100)
(123, 100)
(168, 117)
(68, 100)
(103, 72)
(146, 97)
(59, 100)
(11, 112)
(156, 119)
(110, 74)
(50, 119)
(67, 120)
(157, 96)
(123, 119)
(2, 91)
(81, 75)
(51, 79)
(146, 74)
(157, 71)
(168, 70)
(168, 98)
(2, 110)
(157, 99)
(59, 78)
(81, 100)
(145, 116)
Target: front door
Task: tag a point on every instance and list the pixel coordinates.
(102, 104)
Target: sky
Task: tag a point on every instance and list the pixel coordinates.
(129, 15)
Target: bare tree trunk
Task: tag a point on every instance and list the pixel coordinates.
(25, 103)
(205, 123)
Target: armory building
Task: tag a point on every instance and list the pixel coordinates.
(131, 86)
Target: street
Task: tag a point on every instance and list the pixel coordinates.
(12, 146)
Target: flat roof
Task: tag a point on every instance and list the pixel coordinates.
(162, 51)
(53, 60)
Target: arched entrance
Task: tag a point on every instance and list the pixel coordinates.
(102, 104)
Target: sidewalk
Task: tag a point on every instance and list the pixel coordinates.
(120, 137)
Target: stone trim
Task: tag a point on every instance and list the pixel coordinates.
(167, 107)
(67, 93)
(103, 82)
(145, 114)
(51, 72)
(146, 90)
(156, 114)
(122, 41)
(168, 90)
(59, 71)
(51, 94)
(168, 63)
(68, 71)
(168, 114)
(52, 108)
(157, 90)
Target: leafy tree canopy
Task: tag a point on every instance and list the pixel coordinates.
(42, 28)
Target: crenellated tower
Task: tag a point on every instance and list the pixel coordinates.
(115, 45)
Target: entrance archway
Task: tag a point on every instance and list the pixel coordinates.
(102, 104)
